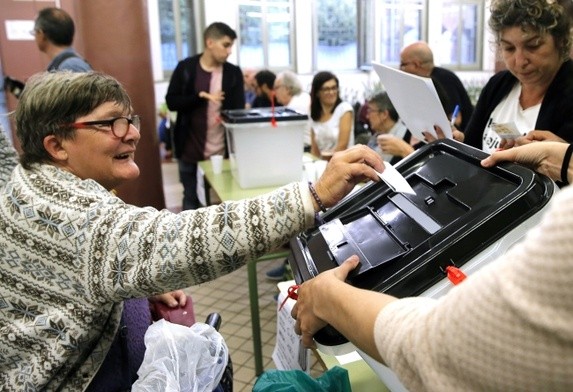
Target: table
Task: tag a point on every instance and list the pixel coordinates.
(227, 188)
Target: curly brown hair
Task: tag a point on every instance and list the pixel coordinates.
(540, 16)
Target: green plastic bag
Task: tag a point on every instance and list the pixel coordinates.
(333, 380)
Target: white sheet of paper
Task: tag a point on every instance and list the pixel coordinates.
(288, 353)
(395, 180)
(415, 99)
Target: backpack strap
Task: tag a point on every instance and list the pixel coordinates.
(61, 59)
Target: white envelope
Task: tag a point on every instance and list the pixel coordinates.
(395, 180)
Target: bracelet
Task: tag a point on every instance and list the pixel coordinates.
(565, 165)
(316, 198)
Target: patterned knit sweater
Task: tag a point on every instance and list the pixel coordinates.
(508, 327)
(71, 252)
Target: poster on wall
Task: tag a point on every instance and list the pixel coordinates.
(19, 30)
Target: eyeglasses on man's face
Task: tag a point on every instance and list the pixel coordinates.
(119, 126)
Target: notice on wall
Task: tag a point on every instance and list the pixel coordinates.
(19, 30)
(289, 353)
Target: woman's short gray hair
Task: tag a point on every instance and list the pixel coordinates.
(291, 82)
(51, 100)
(541, 16)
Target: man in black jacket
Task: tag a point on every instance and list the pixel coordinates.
(200, 87)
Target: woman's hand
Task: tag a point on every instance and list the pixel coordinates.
(346, 169)
(171, 299)
(532, 136)
(545, 158)
(314, 295)
(456, 134)
(328, 299)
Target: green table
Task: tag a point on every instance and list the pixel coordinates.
(227, 189)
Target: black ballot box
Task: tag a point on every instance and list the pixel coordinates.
(462, 215)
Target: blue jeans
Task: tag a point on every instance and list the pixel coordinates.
(188, 177)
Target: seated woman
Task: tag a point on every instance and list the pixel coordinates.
(332, 127)
(73, 252)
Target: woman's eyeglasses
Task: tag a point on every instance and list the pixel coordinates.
(119, 126)
(332, 89)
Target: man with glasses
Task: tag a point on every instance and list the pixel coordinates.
(390, 137)
(54, 33)
(418, 59)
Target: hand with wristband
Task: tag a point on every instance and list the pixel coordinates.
(346, 169)
(550, 158)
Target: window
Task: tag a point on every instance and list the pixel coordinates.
(265, 34)
(460, 34)
(402, 23)
(176, 35)
(389, 25)
(336, 35)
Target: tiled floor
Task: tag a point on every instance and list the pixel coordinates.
(229, 296)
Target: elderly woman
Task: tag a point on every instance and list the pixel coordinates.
(536, 91)
(289, 93)
(72, 252)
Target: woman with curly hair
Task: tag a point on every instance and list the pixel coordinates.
(536, 90)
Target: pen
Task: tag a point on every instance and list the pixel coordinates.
(455, 114)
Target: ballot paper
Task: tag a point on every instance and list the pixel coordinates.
(416, 100)
(506, 131)
(395, 180)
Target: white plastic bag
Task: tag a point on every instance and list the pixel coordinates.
(181, 359)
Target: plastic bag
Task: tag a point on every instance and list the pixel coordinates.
(181, 359)
(333, 380)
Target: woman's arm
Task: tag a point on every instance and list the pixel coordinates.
(497, 323)
(314, 150)
(545, 157)
(345, 127)
(326, 299)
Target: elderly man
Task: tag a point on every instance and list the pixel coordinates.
(390, 137)
(54, 33)
(418, 59)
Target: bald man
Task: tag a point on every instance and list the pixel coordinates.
(418, 59)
